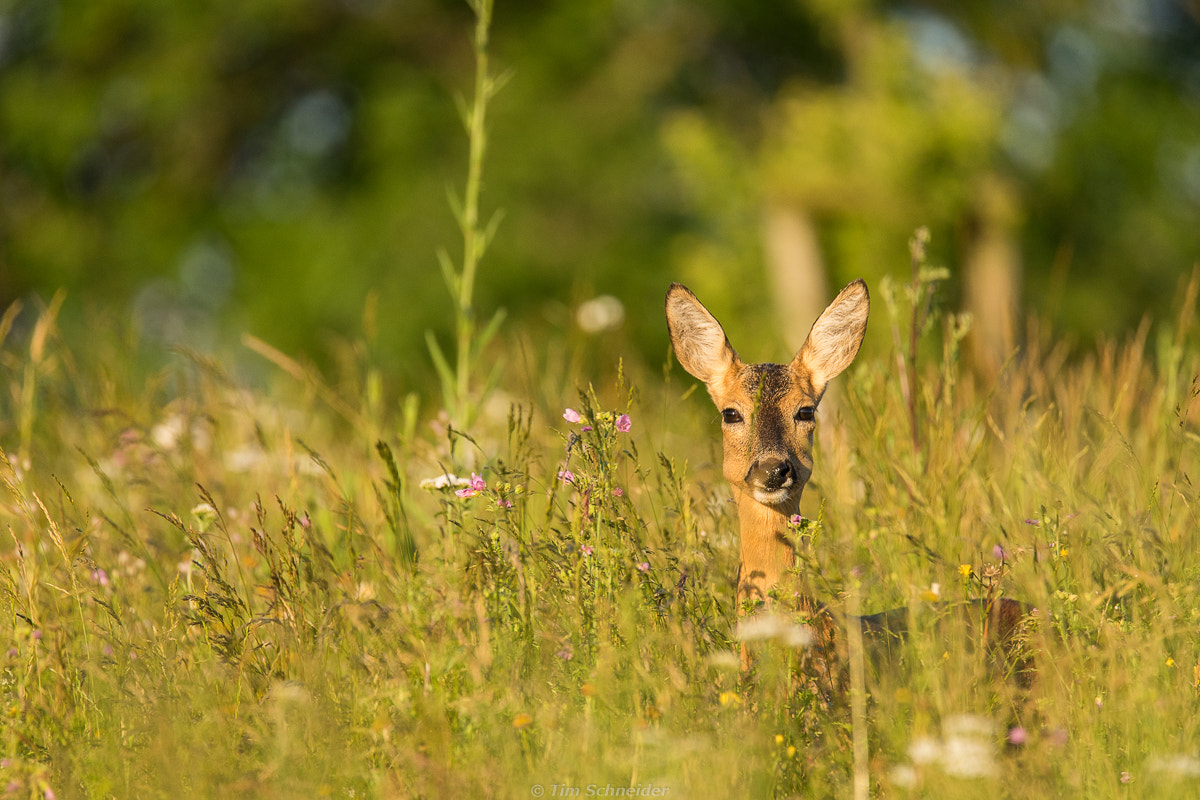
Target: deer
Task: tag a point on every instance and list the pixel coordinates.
(768, 419)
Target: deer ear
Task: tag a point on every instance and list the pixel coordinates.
(835, 337)
(698, 339)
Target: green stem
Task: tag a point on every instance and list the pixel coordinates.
(472, 236)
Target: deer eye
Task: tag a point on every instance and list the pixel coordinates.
(731, 416)
(806, 414)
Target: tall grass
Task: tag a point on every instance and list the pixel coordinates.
(206, 596)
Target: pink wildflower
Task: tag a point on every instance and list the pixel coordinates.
(1000, 553)
(571, 415)
(618, 492)
(566, 476)
(473, 488)
(587, 549)
(624, 423)
(644, 566)
(500, 501)
(1017, 735)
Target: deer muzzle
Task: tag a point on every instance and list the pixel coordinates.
(771, 479)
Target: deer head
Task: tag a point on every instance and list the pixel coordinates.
(768, 416)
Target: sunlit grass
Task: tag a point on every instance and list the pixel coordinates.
(216, 591)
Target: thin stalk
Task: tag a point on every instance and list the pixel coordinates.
(858, 696)
(916, 248)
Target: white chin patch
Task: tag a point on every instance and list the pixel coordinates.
(772, 498)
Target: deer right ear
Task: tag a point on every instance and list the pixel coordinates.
(835, 337)
(699, 340)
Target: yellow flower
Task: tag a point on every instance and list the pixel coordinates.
(1064, 552)
(964, 570)
(1170, 661)
(779, 738)
(730, 699)
(522, 721)
(791, 751)
(587, 690)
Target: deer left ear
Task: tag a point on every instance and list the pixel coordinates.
(699, 340)
(835, 337)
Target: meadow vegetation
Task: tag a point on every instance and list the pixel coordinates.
(308, 588)
(214, 590)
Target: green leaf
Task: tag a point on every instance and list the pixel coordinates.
(489, 231)
(497, 82)
(456, 206)
(487, 333)
(464, 110)
(445, 374)
(449, 274)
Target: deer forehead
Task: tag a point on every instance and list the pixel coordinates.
(765, 387)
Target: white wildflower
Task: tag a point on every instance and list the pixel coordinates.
(1177, 766)
(444, 481)
(773, 626)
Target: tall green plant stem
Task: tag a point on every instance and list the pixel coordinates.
(456, 381)
(474, 240)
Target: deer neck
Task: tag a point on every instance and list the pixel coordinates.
(767, 554)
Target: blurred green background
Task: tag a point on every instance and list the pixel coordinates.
(280, 167)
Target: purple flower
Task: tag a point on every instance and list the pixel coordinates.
(1017, 735)
(587, 549)
(566, 476)
(1033, 522)
(644, 566)
(586, 428)
(624, 423)
(500, 501)
(571, 415)
(100, 576)
(1000, 553)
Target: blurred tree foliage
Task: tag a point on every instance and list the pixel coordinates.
(270, 165)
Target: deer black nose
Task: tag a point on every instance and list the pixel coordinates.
(770, 473)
